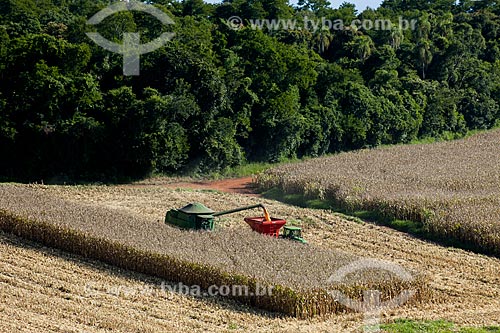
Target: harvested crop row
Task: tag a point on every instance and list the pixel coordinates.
(451, 188)
(297, 273)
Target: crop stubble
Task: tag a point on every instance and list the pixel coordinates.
(226, 257)
(466, 285)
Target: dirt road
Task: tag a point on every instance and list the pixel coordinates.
(242, 185)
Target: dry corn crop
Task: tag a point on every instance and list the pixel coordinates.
(298, 273)
(451, 188)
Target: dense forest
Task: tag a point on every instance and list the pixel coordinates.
(216, 97)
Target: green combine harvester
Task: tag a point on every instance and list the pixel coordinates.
(199, 217)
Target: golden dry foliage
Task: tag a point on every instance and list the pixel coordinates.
(297, 273)
(452, 188)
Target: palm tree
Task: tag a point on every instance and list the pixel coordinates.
(424, 54)
(424, 27)
(362, 46)
(322, 40)
(396, 37)
(423, 43)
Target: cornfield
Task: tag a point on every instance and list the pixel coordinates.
(452, 189)
(298, 274)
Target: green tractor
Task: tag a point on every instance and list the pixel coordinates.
(293, 233)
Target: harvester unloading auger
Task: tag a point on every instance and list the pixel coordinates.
(199, 217)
